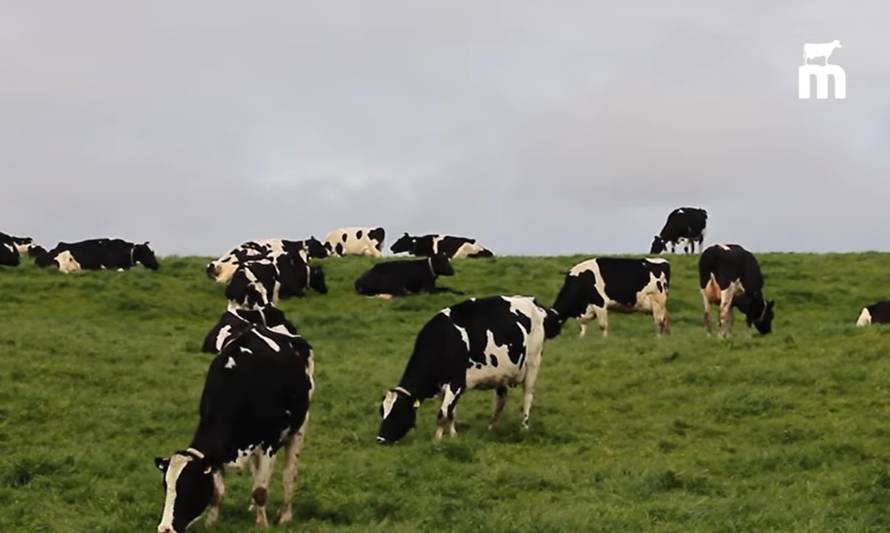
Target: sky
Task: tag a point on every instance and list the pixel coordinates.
(535, 127)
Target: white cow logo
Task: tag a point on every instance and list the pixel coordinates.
(816, 50)
(821, 73)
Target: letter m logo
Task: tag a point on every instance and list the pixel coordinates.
(822, 75)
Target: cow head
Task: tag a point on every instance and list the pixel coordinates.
(315, 248)
(145, 255)
(44, 260)
(441, 265)
(398, 414)
(188, 484)
(316, 279)
(761, 316)
(552, 324)
(574, 296)
(35, 250)
(658, 245)
(22, 244)
(405, 243)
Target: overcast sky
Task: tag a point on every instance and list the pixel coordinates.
(537, 127)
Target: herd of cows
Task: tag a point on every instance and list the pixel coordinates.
(258, 388)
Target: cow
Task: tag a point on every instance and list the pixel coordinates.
(816, 50)
(98, 254)
(594, 286)
(262, 282)
(730, 275)
(429, 245)
(683, 223)
(400, 278)
(876, 313)
(487, 343)
(222, 269)
(355, 241)
(255, 401)
(23, 245)
(236, 321)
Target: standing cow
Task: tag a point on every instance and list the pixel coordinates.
(355, 241)
(262, 282)
(222, 269)
(255, 401)
(684, 223)
(730, 275)
(876, 313)
(98, 254)
(594, 286)
(489, 343)
(429, 245)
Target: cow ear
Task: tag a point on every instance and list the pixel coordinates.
(162, 464)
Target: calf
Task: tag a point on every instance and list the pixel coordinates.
(429, 245)
(260, 283)
(355, 241)
(399, 278)
(489, 343)
(594, 286)
(876, 313)
(235, 322)
(98, 254)
(222, 269)
(730, 275)
(255, 401)
(684, 223)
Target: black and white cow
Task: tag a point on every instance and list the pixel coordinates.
(236, 321)
(260, 283)
(487, 343)
(255, 401)
(730, 275)
(684, 223)
(23, 245)
(355, 241)
(400, 278)
(222, 269)
(876, 313)
(594, 286)
(98, 254)
(429, 245)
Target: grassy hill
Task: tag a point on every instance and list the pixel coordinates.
(101, 372)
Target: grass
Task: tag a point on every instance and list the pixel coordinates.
(101, 372)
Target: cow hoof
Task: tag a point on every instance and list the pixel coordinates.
(285, 516)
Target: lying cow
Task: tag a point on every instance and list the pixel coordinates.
(686, 224)
(876, 313)
(261, 283)
(489, 343)
(255, 401)
(429, 245)
(236, 321)
(222, 269)
(730, 275)
(98, 254)
(400, 278)
(23, 245)
(355, 241)
(594, 286)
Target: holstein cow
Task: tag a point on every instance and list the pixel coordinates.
(355, 241)
(23, 245)
(400, 278)
(489, 343)
(730, 275)
(98, 254)
(255, 401)
(876, 313)
(429, 245)
(223, 268)
(260, 283)
(594, 286)
(684, 223)
(236, 321)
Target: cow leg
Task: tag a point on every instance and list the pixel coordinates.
(219, 490)
(262, 473)
(726, 311)
(660, 316)
(450, 394)
(707, 305)
(292, 451)
(602, 319)
(500, 400)
(528, 393)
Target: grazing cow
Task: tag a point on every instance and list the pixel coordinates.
(400, 278)
(684, 223)
(877, 313)
(730, 275)
(262, 282)
(355, 241)
(98, 254)
(236, 321)
(255, 401)
(429, 245)
(9, 256)
(223, 268)
(23, 245)
(815, 50)
(489, 343)
(594, 286)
